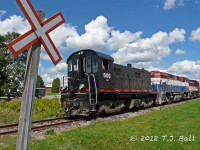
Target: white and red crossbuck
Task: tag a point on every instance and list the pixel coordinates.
(39, 32)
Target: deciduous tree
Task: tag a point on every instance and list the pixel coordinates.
(55, 85)
(40, 82)
(11, 68)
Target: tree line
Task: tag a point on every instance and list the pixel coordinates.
(12, 69)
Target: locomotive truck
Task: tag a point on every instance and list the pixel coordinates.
(98, 85)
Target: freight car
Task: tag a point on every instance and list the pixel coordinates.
(97, 85)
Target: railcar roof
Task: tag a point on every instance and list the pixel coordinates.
(99, 54)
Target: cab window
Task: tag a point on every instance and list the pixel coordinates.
(82, 65)
(95, 63)
(75, 65)
(88, 64)
(105, 65)
(70, 66)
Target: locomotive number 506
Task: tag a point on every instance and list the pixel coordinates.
(106, 75)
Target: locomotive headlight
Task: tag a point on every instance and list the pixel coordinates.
(80, 53)
(81, 86)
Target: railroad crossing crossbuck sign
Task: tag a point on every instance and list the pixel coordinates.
(39, 32)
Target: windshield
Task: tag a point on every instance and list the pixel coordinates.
(70, 66)
(82, 65)
(95, 63)
(88, 64)
(75, 65)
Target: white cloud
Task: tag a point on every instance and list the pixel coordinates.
(179, 52)
(59, 68)
(177, 35)
(45, 56)
(66, 35)
(170, 4)
(195, 35)
(47, 78)
(14, 24)
(181, 3)
(131, 48)
(118, 40)
(60, 34)
(58, 71)
(187, 67)
(96, 36)
(99, 34)
(151, 68)
(2, 12)
(20, 25)
(149, 51)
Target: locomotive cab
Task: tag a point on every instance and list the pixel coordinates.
(88, 71)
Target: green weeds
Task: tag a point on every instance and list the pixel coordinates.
(50, 132)
(42, 109)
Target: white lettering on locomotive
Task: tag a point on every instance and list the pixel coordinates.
(106, 75)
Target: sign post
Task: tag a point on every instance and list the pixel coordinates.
(39, 34)
(28, 94)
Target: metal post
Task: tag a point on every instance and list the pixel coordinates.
(29, 93)
(63, 81)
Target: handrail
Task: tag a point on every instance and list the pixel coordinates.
(89, 88)
(95, 87)
(63, 79)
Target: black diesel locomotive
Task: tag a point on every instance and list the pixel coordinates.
(97, 85)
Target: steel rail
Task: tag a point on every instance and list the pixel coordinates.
(38, 125)
(38, 121)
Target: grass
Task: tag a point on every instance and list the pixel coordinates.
(182, 120)
(42, 109)
(49, 93)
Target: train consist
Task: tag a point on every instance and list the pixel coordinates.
(97, 85)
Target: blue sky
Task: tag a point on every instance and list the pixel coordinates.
(154, 34)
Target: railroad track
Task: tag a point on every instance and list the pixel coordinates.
(44, 124)
(38, 125)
